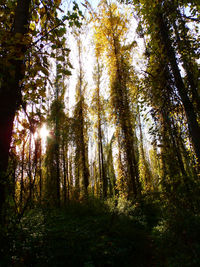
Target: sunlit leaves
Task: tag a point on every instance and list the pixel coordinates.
(109, 28)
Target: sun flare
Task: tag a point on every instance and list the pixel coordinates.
(44, 132)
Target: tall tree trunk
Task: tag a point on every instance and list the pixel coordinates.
(111, 171)
(64, 181)
(77, 175)
(57, 173)
(81, 123)
(14, 173)
(193, 125)
(124, 115)
(147, 176)
(83, 156)
(102, 174)
(100, 170)
(104, 178)
(30, 168)
(40, 170)
(184, 45)
(65, 175)
(70, 188)
(57, 137)
(22, 177)
(10, 94)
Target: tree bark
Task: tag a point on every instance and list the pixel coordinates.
(183, 46)
(193, 125)
(40, 170)
(10, 92)
(102, 174)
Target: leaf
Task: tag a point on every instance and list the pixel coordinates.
(61, 58)
(61, 32)
(32, 26)
(18, 142)
(53, 55)
(39, 82)
(66, 72)
(70, 65)
(42, 93)
(45, 60)
(44, 70)
(53, 46)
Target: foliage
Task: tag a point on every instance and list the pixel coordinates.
(100, 190)
(91, 236)
(94, 233)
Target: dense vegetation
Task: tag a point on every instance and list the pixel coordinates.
(99, 133)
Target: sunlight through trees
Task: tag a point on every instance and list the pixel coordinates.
(101, 99)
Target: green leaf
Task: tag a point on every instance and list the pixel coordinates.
(66, 72)
(44, 70)
(61, 58)
(53, 46)
(18, 142)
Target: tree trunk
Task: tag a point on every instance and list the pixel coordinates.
(184, 45)
(57, 173)
(10, 94)
(65, 175)
(147, 172)
(22, 177)
(193, 125)
(40, 170)
(70, 188)
(102, 174)
(30, 168)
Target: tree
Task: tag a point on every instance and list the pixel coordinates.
(58, 141)
(110, 30)
(24, 34)
(159, 18)
(12, 69)
(144, 168)
(80, 127)
(97, 108)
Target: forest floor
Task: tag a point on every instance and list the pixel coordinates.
(96, 234)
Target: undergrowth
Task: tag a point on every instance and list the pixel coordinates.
(97, 233)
